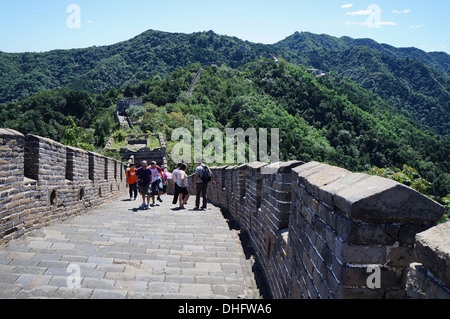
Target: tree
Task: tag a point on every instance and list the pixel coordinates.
(78, 137)
(135, 112)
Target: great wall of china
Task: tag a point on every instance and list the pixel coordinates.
(318, 231)
(42, 180)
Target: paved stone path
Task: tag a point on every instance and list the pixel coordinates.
(117, 251)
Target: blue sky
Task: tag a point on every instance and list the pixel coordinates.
(30, 25)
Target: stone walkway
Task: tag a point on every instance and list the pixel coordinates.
(117, 251)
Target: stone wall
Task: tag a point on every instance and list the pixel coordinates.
(323, 232)
(159, 155)
(42, 180)
(429, 277)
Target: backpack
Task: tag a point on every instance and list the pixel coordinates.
(206, 174)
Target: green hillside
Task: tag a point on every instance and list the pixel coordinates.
(379, 107)
(306, 41)
(412, 80)
(415, 82)
(328, 120)
(101, 68)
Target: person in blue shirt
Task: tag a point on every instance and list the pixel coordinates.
(144, 176)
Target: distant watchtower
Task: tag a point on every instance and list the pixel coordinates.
(124, 104)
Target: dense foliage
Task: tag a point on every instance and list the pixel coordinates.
(50, 113)
(325, 119)
(412, 80)
(96, 69)
(380, 110)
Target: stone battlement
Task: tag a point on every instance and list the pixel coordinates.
(319, 231)
(42, 181)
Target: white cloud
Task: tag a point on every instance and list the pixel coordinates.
(417, 26)
(360, 12)
(401, 11)
(346, 6)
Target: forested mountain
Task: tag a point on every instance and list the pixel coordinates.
(306, 41)
(325, 119)
(412, 80)
(378, 107)
(96, 69)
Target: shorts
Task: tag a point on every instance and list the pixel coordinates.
(156, 187)
(144, 189)
(183, 190)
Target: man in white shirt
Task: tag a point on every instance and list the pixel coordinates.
(174, 184)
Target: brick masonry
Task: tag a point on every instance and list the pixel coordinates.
(315, 228)
(159, 155)
(42, 181)
(319, 231)
(429, 277)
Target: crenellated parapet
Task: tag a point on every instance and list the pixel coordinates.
(318, 231)
(429, 277)
(321, 231)
(42, 180)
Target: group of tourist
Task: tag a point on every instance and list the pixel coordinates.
(152, 181)
(149, 179)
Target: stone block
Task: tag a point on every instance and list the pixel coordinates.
(321, 176)
(433, 251)
(400, 256)
(326, 192)
(6, 133)
(358, 254)
(379, 199)
(421, 284)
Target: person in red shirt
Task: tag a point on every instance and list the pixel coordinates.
(132, 181)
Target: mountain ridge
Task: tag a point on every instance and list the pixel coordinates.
(387, 71)
(330, 119)
(438, 60)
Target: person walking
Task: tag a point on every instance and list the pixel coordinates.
(144, 177)
(182, 181)
(175, 184)
(157, 179)
(132, 181)
(203, 176)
